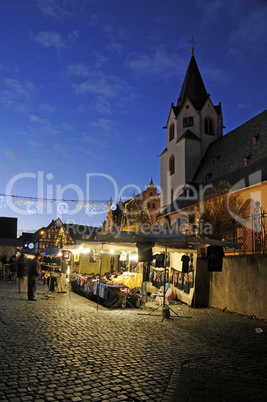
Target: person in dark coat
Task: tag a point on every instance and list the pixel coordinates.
(13, 268)
(33, 275)
(63, 276)
(23, 273)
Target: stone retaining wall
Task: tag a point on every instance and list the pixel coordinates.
(240, 287)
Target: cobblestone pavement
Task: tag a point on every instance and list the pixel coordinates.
(62, 348)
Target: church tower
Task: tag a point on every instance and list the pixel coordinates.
(193, 123)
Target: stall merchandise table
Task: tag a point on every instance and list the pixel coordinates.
(113, 295)
(129, 279)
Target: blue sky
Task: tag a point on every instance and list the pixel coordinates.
(86, 88)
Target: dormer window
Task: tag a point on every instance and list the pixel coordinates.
(216, 159)
(254, 140)
(171, 132)
(209, 126)
(245, 161)
(208, 176)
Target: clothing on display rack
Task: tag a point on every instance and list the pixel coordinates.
(185, 263)
(144, 251)
(215, 256)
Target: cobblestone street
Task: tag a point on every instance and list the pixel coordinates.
(62, 348)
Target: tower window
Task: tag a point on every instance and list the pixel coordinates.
(209, 126)
(172, 165)
(171, 132)
(245, 161)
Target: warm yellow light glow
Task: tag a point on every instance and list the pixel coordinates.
(85, 250)
(134, 257)
(111, 251)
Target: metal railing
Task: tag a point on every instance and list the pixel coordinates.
(251, 231)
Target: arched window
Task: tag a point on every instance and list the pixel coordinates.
(172, 164)
(171, 132)
(209, 126)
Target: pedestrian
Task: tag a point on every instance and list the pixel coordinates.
(13, 268)
(33, 275)
(23, 269)
(63, 276)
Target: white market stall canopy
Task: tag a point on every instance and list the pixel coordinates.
(126, 241)
(161, 240)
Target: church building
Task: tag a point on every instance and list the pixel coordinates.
(198, 155)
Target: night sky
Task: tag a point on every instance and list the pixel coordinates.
(86, 88)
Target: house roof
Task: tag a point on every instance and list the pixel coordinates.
(224, 157)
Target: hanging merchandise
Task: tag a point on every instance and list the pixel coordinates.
(215, 256)
(186, 284)
(191, 279)
(123, 256)
(146, 271)
(160, 258)
(144, 251)
(76, 257)
(185, 263)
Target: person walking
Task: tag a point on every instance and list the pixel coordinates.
(23, 269)
(13, 268)
(63, 276)
(33, 275)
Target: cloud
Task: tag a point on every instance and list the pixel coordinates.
(47, 108)
(100, 86)
(17, 89)
(78, 70)
(93, 140)
(15, 93)
(61, 149)
(250, 32)
(14, 156)
(3, 67)
(36, 119)
(34, 144)
(159, 63)
(103, 124)
(60, 9)
(50, 39)
(115, 47)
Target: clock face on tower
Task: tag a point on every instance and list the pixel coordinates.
(188, 121)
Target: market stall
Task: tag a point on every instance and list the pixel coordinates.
(146, 262)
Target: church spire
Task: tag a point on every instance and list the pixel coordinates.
(193, 87)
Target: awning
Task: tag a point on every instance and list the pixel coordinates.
(162, 239)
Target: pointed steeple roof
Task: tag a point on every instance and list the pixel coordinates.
(193, 87)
